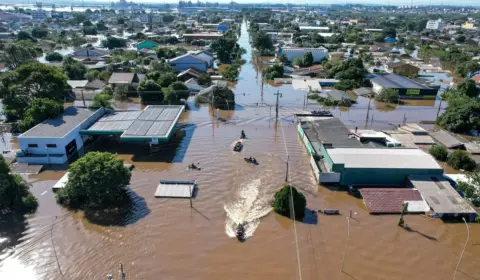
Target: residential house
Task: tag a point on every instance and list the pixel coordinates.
(207, 56)
(147, 44)
(402, 68)
(125, 79)
(186, 61)
(89, 52)
(201, 36)
(318, 54)
(406, 88)
(193, 86)
(190, 73)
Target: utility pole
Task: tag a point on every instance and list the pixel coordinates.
(83, 98)
(213, 107)
(122, 275)
(261, 92)
(404, 118)
(286, 174)
(278, 94)
(346, 245)
(368, 109)
(464, 247)
(439, 107)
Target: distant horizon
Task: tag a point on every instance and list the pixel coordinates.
(475, 3)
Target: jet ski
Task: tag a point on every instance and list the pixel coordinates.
(242, 135)
(239, 231)
(238, 147)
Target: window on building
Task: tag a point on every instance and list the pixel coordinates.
(33, 145)
(51, 145)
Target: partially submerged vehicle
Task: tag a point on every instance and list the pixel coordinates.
(238, 147)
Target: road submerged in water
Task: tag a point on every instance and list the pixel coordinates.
(165, 238)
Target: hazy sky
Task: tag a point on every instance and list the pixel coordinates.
(391, 2)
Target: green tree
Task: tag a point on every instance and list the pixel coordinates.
(461, 115)
(379, 38)
(283, 58)
(92, 75)
(39, 32)
(262, 41)
(97, 180)
(121, 92)
(298, 61)
(438, 152)
(229, 73)
(101, 26)
(23, 35)
(468, 88)
(89, 30)
(471, 188)
(102, 100)
(14, 192)
(388, 95)
(54, 56)
(75, 70)
(14, 55)
(223, 98)
(28, 82)
(389, 32)
(40, 110)
(121, 21)
(308, 59)
(205, 80)
(461, 38)
(273, 71)
(150, 91)
(224, 47)
(166, 79)
(104, 76)
(461, 160)
(114, 42)
(282, 202)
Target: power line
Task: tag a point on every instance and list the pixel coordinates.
(54, 250)
(292, 208)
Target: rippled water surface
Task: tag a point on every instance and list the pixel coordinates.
(166, 239)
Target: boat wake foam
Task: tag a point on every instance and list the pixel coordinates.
(248, 205)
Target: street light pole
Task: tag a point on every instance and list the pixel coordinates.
(464, 247)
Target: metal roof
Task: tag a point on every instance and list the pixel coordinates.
(446, 139)
(440, 195)
(153, 121)
(179, 189)
(61, 126)
(77, 83)
(330, 131)
(382, 158)
(397, 81)
(338, 95)
(388, 200)
(121, 78)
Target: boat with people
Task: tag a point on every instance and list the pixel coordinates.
(238, 147)
(239, 231)
(242, 135)
(193, 167)
(251, 160)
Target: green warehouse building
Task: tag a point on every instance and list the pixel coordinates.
(338, 156)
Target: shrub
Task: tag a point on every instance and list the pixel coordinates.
(281, 204)
(461, 160)
(388, 95)
(438, 152)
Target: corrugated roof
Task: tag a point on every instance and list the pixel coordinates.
(440, 195)
(388, 200)
(383, 158)
(121, 78)
(177, 189)
(330, 131)
(338, 95)
(397, 81)
(446, 139)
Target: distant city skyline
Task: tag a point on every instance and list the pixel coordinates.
(307, 2)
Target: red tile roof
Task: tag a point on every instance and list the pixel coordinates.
(383, 200)
(476, 79)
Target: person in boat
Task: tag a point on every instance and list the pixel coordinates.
(193, 166)
(254, 160)
(243, 136)
(250, 159)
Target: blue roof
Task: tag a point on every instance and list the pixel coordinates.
(222, 28)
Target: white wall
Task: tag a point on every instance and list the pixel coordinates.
(42, 142)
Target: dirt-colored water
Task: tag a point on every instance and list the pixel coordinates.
(166, 239)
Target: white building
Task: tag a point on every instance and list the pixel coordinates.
(151, 18)
(435, 25)
(318, 54)
(54, 141)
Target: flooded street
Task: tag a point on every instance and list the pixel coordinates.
(166, 239)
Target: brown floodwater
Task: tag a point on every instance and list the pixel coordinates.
(166, 239)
